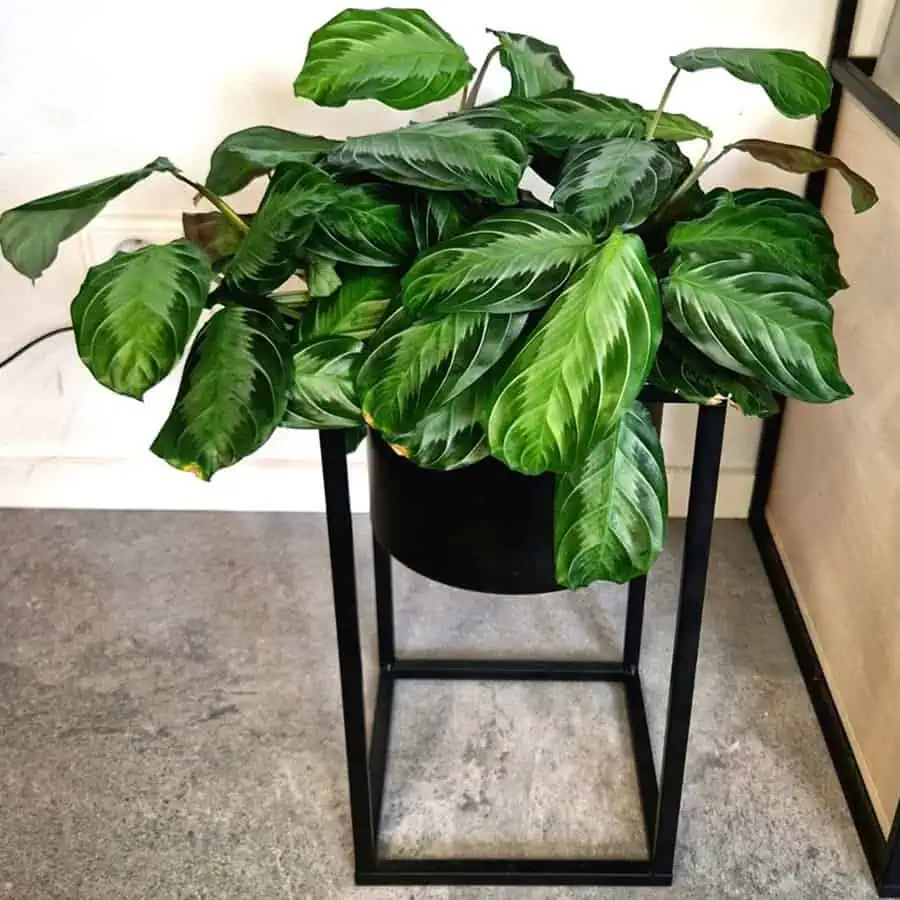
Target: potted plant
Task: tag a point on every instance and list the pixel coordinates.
(495, 345)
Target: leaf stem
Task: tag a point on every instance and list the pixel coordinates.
(657, 116)
(479, 78)
(465, 96)
(216, 201)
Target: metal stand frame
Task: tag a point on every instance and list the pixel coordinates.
(367, 756)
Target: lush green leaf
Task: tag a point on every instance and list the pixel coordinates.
(269, 253)
(398, 56)
(757, 320)
(682, 369)
(323, 393)
(355, 310)
(30, 234)
(252, 152)
(583, 365)
(233, 392)
(514, 261)
(534, 67)
(416, 370)
(440, 215)
(213, 232)
(792, 158)
(779, 229)
(365, 226)
(135, 313)
(479, 151)
(611, 507)
(618, 182)
(798, 85)
(322, 278)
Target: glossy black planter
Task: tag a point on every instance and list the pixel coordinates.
(483, 528)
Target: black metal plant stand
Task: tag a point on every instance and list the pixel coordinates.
(367, 755)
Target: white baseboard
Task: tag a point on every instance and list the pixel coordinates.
(257, 484)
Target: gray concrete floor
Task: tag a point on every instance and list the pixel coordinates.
(171, 728)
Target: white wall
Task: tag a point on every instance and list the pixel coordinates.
(93, 87)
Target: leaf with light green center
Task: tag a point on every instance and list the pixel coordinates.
(534, 67)
(322, 278)
(135, 313)
(611, 508)
(366, 225)
(252, 152)
(30, 234)
(417, 369)
(233, 392)
(269, 253)
(759, 322)
(438, 216)
(797, 84)
(401, 57)
(480, 151)
(583, 365)
(356, 309)
(780, 230)
(514, 261)
(619, 182)
(323, 392)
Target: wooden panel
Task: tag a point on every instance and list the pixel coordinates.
(835, 504)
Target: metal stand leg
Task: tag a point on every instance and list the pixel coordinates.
(890, 883)
(384, 606)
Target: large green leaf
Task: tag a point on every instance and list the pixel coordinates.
(30, 234)
(233, 392)
(440, 215)
(322, 278)
(682, 369)
(479, 151)
(514, 261)
(802, 160)
(798, 85)
(355, 310)
(398, 56)
(611, 507)
(247, 154)
(779, 229)
(583, 365)
(365, 226)
(556, 122)
(269, 253)
(414, 371)
(323, 393)
(754, 319)
(135, 312)
(534, 67)
(619, 182)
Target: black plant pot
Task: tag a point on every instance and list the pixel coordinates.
(483, 527)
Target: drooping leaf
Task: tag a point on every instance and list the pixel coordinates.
(583, 365)
(797, 84)
(792, 158)
(534, 67)
(556, 122)
(365, 226)
(611, 508)
(322, 278)
(618, 182)
(759, 321)
(398, 56)
(323, 392)
(440, 215)
(779, 229)
(268, 255)
(355, 309)
(514, 261)
(213, 232)
(233, 392)
(418, 369)
(135, 313)
(479, 151)
(30, 234)
(682, 369)
(252, 152)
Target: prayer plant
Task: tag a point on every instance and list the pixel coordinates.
(454, 312)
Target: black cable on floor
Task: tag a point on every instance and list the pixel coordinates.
(33, 343)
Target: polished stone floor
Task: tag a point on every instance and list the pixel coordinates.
(170, 727)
